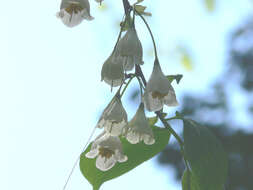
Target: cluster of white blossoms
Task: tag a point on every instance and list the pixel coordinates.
(107, 148)
(127, 54)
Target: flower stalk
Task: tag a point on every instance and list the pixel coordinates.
(150, 32)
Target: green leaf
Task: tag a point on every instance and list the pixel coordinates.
(205, 155)
(137, 154)
(189, 181)
(174, 77)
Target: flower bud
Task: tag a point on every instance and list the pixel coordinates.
(158, 91)
(72, 12)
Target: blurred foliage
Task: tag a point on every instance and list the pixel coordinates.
(185, 57)
(102, 7)
(210, 5)
(214, 111)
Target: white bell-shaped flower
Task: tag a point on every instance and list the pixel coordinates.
(112, 71)
(114, 118)
(130, 49)
(108, 150)
(139, 129)
(73, 12)
(158, 91)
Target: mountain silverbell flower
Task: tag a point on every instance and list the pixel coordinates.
(158, 90)
(139, 129)
(112, 71)
(114, 117)
(130, 49)
(108, 150)
(73, 12)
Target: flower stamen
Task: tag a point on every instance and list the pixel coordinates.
(158, 95)
(106, 152)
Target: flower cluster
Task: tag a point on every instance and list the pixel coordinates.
(107, 148)
(126, 55)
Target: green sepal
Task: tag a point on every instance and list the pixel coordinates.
(175, 77)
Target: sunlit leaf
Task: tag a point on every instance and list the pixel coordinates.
(210, 5)
(186, 62)
(102, 7)
(185, 58)
(147, 13)
(137, 154)
(139, 1)
(206, 156)
(141, 10)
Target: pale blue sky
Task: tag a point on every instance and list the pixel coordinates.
(51, 92)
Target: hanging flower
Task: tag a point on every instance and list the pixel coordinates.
(139, 129)
(114, 117)
(112, 71)
(108, 150)
(158, 91)
(73, 12)
(130, 49)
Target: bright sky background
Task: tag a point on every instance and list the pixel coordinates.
(51, 94)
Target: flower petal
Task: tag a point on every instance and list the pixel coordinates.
(115, 129)
(120, 157)
(112, 71)
(92, 153)
(148, 139)
(152, 104)
(104, 163)
(133, 137)
(170, 99)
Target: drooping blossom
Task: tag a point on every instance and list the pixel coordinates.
(139, 129)
(107, 150)
(113, 118)
(73, 12)
(159, 91)
(130, 49)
